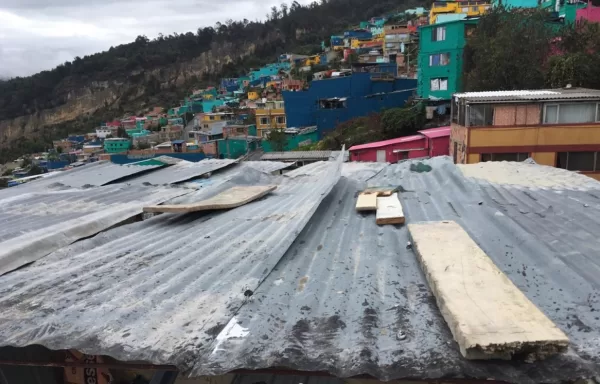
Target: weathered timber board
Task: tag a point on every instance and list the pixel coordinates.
(490, 318)
(231, 198)
(389, 210)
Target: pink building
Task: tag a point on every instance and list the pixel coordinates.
(589, 13)
(427, 143)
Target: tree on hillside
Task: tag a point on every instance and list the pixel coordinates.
(508, 50)
(278, 139)
(577, 57)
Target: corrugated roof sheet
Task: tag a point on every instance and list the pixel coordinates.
(433, 133)
(268, 166)
(530, 95)
(161, 289)
(94, 174)
(345, 289)
(36, 224)
(297, 155)
(379, 144)
(182, 171)
(169, 289)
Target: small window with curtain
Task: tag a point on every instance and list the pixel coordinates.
(480, 115)
(438, 34)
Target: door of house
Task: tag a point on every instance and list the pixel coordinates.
(381, 156)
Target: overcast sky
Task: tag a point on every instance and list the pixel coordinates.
(40, 34)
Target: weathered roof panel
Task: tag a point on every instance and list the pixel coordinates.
(347, 296)
(36, 224)
(160, 289)
(345, 293)
(182, 171)
(297, 155)
(268, 166)
(529, 95)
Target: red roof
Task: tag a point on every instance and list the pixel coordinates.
(115, 123)
(432, 133)
(384, 143)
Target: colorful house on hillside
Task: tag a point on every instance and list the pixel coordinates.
(268, 70)
(270, 115)
(427, 143)
(441, 54)
(337, 43)
(329, 102)
(470, 8)
(555, 127)
(116, 145)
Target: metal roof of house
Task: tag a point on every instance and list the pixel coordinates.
(384, 143)
(530, 95)
(332, 296)
(36, 224)
(433, 133)
(297, 155)
(182, 171)
(268, 166)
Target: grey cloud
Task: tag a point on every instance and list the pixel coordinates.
(40, 34)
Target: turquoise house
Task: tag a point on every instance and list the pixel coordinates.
(269, 70)
(440, 65)
(116, 145)
(207, 105)
(516, 3)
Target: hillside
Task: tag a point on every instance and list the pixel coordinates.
(78, 95)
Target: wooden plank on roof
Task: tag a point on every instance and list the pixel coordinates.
(389, 210)
(367, 201)
(490, 318)
(231, 198)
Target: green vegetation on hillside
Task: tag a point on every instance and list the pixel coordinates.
(520, 49)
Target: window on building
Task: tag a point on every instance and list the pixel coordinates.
(438, 34)
(211, 117)
(480, 115)
(571, 113)
(264, 120)
(515, 156)
(438, 84)
(439, 59)
(280, 119)
(240, 130)
(578, 161)
(190, 135)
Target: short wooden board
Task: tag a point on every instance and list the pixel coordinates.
(490, 318)
(367, 201)
(231, 198)
(389, 210)
(381, 191)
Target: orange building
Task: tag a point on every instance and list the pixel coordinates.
(555, 127)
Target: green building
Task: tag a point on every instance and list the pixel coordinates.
(440, 67)
(116, 145)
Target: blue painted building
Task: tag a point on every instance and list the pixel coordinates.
(329, 102)
(360, 34)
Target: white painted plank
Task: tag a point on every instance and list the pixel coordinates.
(389, 210)
(488, 315)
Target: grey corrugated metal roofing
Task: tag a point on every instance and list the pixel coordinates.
(36, 224)
(530, 95)
(338, 296)
(268, 166)
(160, 289)
(297, 155)
(182, 171)
(94, 174)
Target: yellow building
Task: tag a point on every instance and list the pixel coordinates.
(555, 127)
(253, 95)
(312, 60)
(269, 116)
(468, 8)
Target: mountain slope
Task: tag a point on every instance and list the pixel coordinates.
(78, 95)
